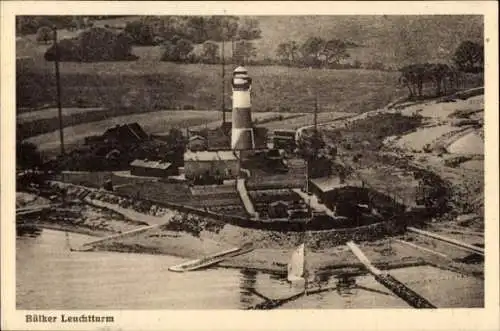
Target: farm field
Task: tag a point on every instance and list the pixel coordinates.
(154, 84)
(149, 83)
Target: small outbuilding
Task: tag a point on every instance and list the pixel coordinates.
(146, 168)
(216, 164)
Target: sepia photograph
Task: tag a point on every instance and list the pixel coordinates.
(248, 162)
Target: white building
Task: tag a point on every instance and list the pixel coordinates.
(218, 164)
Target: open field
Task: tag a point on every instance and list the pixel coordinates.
(149, 83)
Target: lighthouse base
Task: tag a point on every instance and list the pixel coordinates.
(242, 139)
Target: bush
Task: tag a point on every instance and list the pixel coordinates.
(67, 49)
(27, 155)
(178, 51)
(141, 33)
(44, 34)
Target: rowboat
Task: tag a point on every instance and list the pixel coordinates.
(211, 259)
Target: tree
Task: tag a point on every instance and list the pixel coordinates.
(249, 30)
(178, 51)
(44, 34)
(288, 51)
(27, 155)
(183, 48)
(244, 50)
(312, 51)
(95, 44)
(210, 51)
(67, 49)
(334, 51)
(469, 56)
(141, 32)
(122, 48)
(197, 29)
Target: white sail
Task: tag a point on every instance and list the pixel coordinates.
(296, 265)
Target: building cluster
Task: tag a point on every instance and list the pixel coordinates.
(217, 153)
(213, 155)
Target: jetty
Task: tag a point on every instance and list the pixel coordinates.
(88, 246)
(211, 260)
(453, 242)
(391, 283)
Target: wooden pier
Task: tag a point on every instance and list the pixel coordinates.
(88, 245)
(391, 283)
(456, 243)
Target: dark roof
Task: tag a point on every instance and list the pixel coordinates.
(128, 132)
(217, 139)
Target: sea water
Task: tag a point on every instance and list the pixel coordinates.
(50, 276)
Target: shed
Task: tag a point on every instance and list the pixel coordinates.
(327, 190)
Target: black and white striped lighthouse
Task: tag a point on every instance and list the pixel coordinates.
(242, 136)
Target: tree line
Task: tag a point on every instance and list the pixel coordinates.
(177, 35)
(315, 52)
(94, 44)
(468, 58)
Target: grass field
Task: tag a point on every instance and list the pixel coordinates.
(151, 84)
(155, 85)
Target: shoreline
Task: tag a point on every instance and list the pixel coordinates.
(353, 268)
(272, 249)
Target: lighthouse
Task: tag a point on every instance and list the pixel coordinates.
(242, 135)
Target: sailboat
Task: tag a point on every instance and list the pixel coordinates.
(296, 266)
(297, 274)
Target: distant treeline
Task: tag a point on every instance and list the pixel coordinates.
(31, 24)
(468, 57)
(94, 44)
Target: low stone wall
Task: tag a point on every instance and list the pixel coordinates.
(330, 236)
